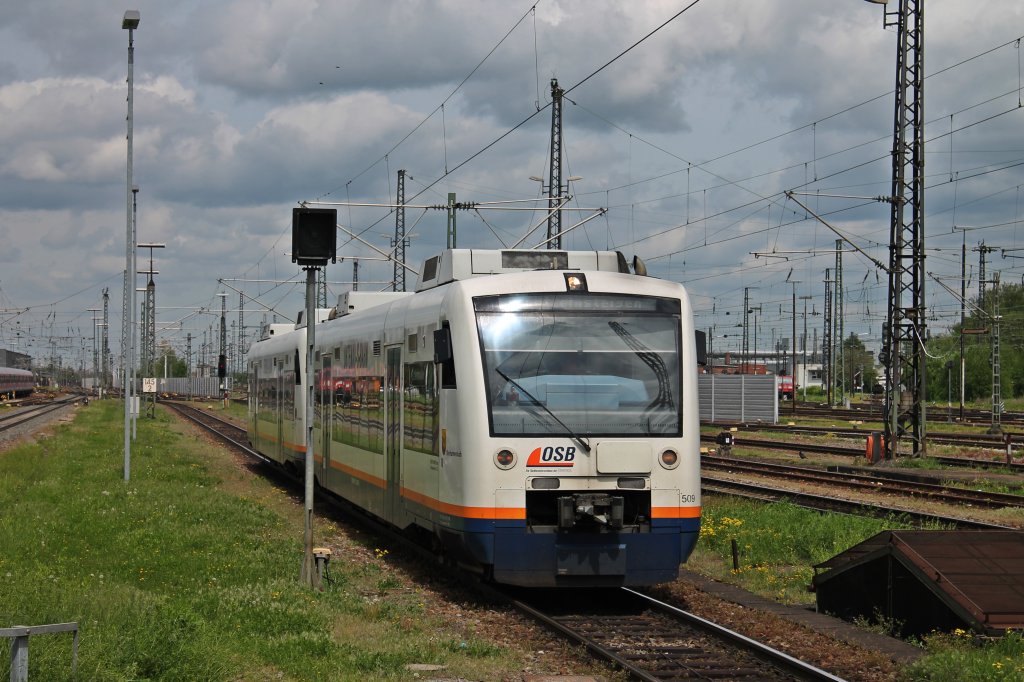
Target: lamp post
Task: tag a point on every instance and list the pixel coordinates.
(129, 22)
(95, 350)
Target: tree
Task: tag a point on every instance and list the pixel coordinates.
(176, 367)
(978, 350)
(859, 365)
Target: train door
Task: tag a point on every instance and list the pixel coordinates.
(254, 400)
(279, 405)
(393, 431)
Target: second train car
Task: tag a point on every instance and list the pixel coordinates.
(533, 414)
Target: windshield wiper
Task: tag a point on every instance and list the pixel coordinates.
(653, 361)
(572, 434)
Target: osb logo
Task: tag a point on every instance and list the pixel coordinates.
(552, 456)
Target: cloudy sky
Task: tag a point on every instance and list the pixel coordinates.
(245, 107)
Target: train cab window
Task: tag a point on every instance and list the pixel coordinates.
(606, 364)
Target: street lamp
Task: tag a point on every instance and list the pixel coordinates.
(130, 22)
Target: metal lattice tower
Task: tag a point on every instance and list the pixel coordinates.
(149, 315)
(746, 333)
(188, 355)
(149, 325)
(982, 252)
(321, 288)
(240, 367)
(827, 349)
(398, 279)
(997, 382)
(125, 327)
(840, 366)
(223, 326)
(905, 360)
(355, 274)
(105, 358)
(555, 174)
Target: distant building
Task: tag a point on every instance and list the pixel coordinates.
(9, 358)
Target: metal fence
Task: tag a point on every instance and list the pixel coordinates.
(738, 397)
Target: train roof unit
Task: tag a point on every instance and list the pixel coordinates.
(354, 301)
(456, 264)
(275, 329)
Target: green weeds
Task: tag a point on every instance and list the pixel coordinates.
(190, 571)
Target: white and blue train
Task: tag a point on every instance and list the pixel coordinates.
(533, 414)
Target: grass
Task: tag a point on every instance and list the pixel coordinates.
(962, 657)
(778, 545)
(189, 571)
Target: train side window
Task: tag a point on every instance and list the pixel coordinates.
(444, 355)
(298, 374)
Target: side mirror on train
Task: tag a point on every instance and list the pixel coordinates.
(702, 347)
(442, 346)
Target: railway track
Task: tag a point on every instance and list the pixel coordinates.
(231, 433)
(977, 440)
(649, 639)
(873, 412)
(655, 641)
(28, 414)
(866, 482)
(765, 493)
(817, 448)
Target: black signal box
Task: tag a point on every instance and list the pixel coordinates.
(314, 236)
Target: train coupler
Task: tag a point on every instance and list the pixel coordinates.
(590, 508)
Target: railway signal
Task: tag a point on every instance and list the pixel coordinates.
(314, 242)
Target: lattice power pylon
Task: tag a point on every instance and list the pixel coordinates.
(239, 355)
(149, 325)
(904, 352)
(745, 351)
(105, 357)
(983, 252)
(840, 312)
(997, 382)
(398, 279)
(827, 347)
(555, 174)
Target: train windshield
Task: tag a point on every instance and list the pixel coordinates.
(601, 364)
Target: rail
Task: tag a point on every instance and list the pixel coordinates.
(19, 635)
(654, 641)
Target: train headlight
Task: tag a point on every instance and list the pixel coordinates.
(669, 458)
(505, 458)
